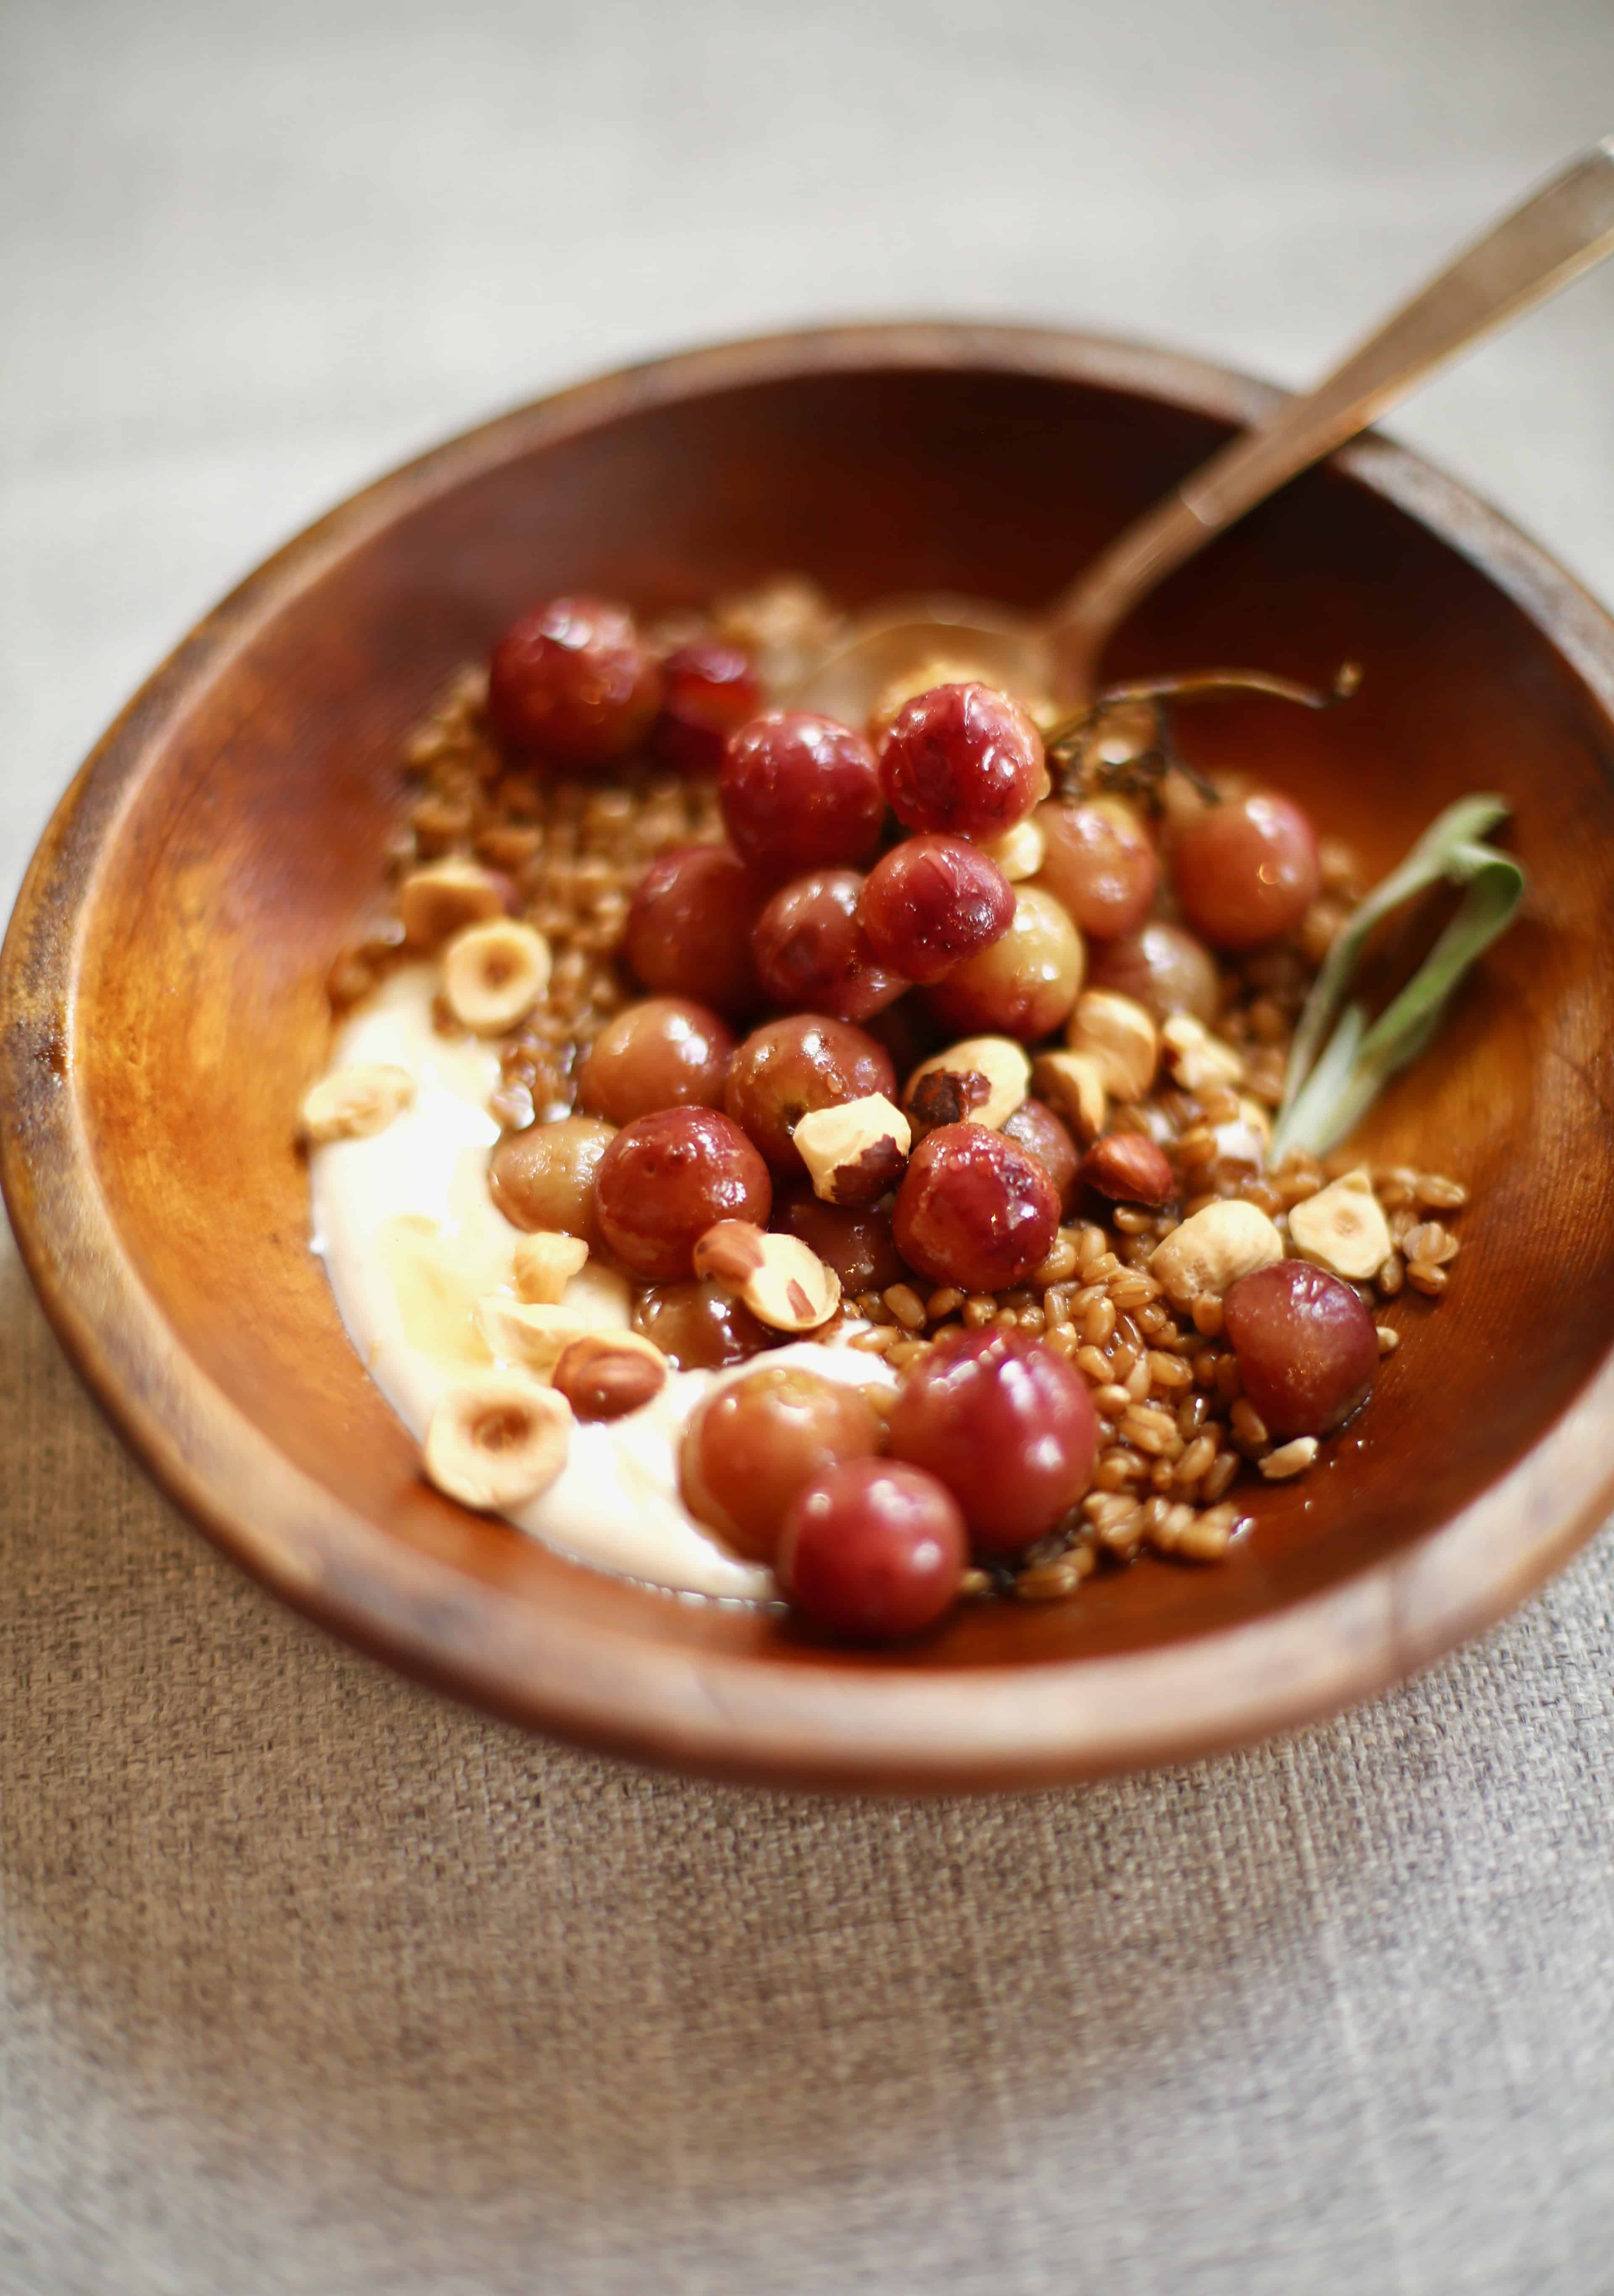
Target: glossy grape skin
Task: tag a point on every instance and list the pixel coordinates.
(572, 682)
(752, 1447)
(698, 1325)
(974, 1209)
(709, 688)
(544, 1177)
(1306, 1348)
(1006, 1424)
(1246, 871)
(1035, 1127)
(799, 792)
(813, 954)
(930, 902)
(662, 1051)
(787, 1067)
(689, 929)
(666, 1178)
(963, 759)
(1162, 968)
(854, 1240)
(1099, 864)
(873, 1550)
(1025, 985)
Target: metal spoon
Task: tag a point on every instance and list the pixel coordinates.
(1558, 233)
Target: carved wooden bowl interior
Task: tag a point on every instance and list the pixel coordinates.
(164, 1011)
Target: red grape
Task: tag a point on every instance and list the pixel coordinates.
(689, 931)
(932, 901)
(974, 1209)
(698, 1325)
(787, 1067)
(1306, 1345)
(1099, 864)
(748, 1449)
(854, 1240)
(1006, 1425)
(1162, 968)
(661, 1053)
(1040, 1133)
(963, 759)
(572, 682)
(813, 954)
(798, 791)
(874, 1550)
(1023, 985)
(666, 1178)
(709, 687)
(1246, 871)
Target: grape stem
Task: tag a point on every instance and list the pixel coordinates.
(1076, 746)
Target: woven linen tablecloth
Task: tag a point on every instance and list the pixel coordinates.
(310, 1980)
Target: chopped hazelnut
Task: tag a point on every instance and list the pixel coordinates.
(1129, 1169)
(606, 1374)
(533, 1334)
(1343, 1227)
(494, 974)
(545, 1264)
(496, 1439)
(1212, 1249)
(784, 1283)
(982, 1081)
(854, 1151)
(1119, 1034)
(443, 898)
(352, 1103)
(1195, 1057)
(1019, 852)
(1073, 1085)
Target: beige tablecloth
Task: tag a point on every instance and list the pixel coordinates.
(309, 1980)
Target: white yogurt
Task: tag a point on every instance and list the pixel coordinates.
(412, 1240)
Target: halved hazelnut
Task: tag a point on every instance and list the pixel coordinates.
(784, 1283)
(606, 1374)
(533, 1334)
(1119, 1034)
(496, 1439)
(494, 974)
(1212, 1249)
(353, 1103)
(982, 1081)
(1195, 1057)
(1073, 1085)
(1343, 1227)
(1019, 852)
(545, 1263)
(1129, 1169)
(443, 898)
(856, 1152)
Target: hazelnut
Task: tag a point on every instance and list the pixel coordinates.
(1212, 1249)
(1195, 1057)
(1119, 1034)
(1343, 1227)
(535, 1335)
(1129, 1169)
(443, 898)
(494, 974)
(982, 1081)
(545, 1264)
(1073, 1085)
(496, 1439)
(856, 1152)
(354, 1103)
(606, 1374)
(1019, 852)
(784, 1283)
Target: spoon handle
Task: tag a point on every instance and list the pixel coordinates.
(1561, 231)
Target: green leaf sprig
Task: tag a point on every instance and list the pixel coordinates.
(1330, 1086)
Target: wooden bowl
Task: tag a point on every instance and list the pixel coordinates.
(165, 1009)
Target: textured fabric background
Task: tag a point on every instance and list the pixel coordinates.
(310, 1981)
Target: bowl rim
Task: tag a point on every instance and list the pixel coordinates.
(870, 1726)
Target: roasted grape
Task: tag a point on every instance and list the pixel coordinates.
(964, 759)
(786, 1066)
(699, 1326)
(1025, 984)
(813, 954)
(748, 1449)
(708, 689)
(1039, 1132)
(854, 1240)
(1163, 968)
(661, 1053)
(571, 682)
(874, 1550)
(1246, 871)
(931, 902)
(1006, 1424)
(974, 1209)
(1306, 1345)
(544, 1177)
(689, 929)
(1099, 864)
(799, 792)
(666, 1178)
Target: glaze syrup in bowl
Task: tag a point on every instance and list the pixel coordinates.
(164, 1007)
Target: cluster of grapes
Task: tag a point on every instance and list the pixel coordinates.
(873, 897)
